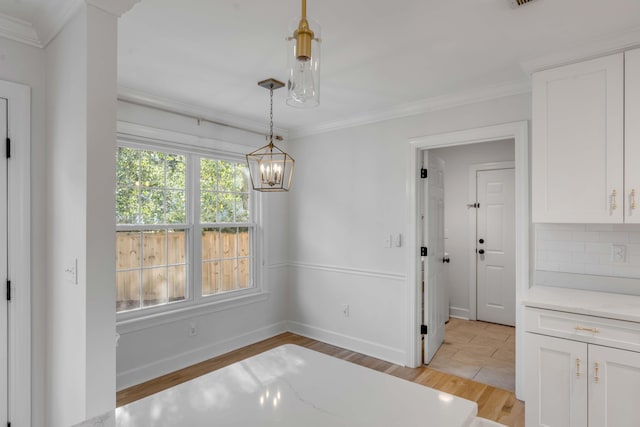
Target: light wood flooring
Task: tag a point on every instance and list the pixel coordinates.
(481, 351)
(493, 403)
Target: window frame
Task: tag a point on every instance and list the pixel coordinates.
(194, 148)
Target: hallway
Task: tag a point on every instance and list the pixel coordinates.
(481, 351)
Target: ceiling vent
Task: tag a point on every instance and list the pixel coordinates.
(518, 3)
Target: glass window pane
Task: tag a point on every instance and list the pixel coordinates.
(244, 249)
(244, 270)
(210, 244)
(242, 208)
(154, 285)
(210, 277)
(225, 207)
(127, 205)
(127, 290)
(127, 166)
(154, 248)
(208, 175)
(228, 237)
(176, 207)
(152, 169)
(226, 176)
(207, 207)
(128, 249)
(177, 283)
(152, 207)
(177, 247)
(176, 171)
(242, 178)
(229, 275)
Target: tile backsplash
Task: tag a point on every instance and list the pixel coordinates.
(599, 249)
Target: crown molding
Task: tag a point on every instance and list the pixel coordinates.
(420, 107)
(18, 30)
(52, 16)
(156, 102)
(602, 47)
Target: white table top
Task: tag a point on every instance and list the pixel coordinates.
(295, 386)
(601, 304)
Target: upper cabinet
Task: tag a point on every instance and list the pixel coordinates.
(632, 136)
(578, 142)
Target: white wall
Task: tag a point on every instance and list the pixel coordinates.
(26, 65)
(457, 195)
(80, 224)
(149, 349)
(349, 193)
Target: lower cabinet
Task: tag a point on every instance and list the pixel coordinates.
(576, 384)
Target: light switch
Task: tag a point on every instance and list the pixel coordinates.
(71, 272)
(397, 240)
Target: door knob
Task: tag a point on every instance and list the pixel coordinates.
(481, 241)
(481, 251)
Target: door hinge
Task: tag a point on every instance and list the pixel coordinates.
(423, 329)
(423, 173)
(423, 251)
(8, 148)
(8, 290)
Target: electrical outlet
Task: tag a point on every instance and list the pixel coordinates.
(619, 254)
(345, 310)
(71, 272)
(192, 329)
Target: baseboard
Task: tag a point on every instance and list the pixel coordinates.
(390, 354)
(459, 313)
(164, 366)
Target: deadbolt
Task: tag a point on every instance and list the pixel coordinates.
(481, 241)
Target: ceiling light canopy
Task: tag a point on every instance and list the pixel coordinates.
(270, 168)
(303, 62)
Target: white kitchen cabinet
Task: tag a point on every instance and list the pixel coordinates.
(632, 136)
(578, 142)
(582, 358)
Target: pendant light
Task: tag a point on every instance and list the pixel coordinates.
(303, 62)
(270, 168)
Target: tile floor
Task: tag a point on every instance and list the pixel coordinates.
(481, 351)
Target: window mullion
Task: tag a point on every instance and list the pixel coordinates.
(196, 260)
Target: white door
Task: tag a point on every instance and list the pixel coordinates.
(614, 387)
(4, 354)
(496, 247)
(434, 311)
(555, 382)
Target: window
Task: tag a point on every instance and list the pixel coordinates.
(185, 229)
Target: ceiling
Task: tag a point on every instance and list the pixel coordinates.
(377, 55)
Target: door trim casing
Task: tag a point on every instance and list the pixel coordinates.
(19, 250)
(473, 232)
(519, 132)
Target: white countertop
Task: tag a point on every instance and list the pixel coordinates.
(601, 304)
(295, 386)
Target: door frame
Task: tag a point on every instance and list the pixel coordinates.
(19, 250)
(473, 232)
(519, 132)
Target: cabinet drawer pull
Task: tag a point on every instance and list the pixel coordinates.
(578, 367)
(594, 330)
(614, 202)
(633, 199)
(597, 368)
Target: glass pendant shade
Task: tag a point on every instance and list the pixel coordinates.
(270, 168)
(303, 63)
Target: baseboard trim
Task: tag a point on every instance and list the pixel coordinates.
(459, 313)
(164, 366)
(390, 354)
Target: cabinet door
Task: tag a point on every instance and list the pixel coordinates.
(614, 384)
(555, 382)
(577, 142)
(632, 136)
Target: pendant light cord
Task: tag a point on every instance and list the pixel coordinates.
(271, 117)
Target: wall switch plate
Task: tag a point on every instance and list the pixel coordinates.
(619, 254)
(387, 241)
(71, 272)
(345, 310)
(397, 240)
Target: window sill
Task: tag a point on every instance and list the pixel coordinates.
(188, 312)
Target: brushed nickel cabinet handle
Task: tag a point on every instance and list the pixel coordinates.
(614, 203)
(633, 199)
(597, 368)
(578, 367)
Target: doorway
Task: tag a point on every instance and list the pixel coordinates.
(518, 132)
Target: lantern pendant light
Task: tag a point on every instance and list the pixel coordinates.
(270, 168)
(303, 62)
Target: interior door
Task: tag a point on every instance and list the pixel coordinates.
(495, 247)
(434, 311)
(4, 355)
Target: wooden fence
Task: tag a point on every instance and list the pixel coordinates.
(225, 266)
